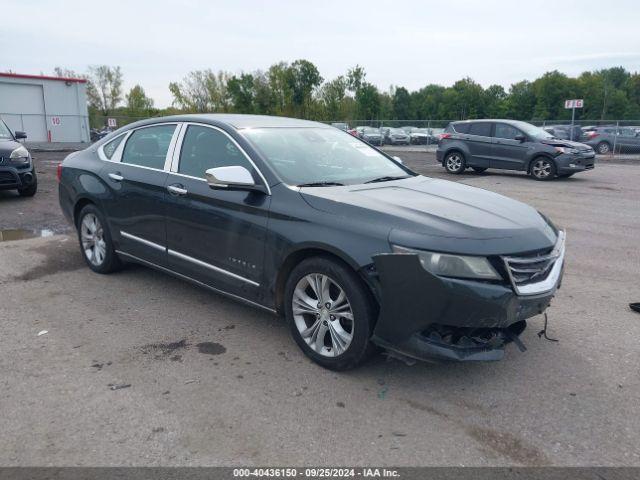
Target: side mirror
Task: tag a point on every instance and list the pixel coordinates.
(231, 177)
(399, 160)
(20, 135)
(520, 138)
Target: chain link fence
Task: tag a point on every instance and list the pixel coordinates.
(605, 136)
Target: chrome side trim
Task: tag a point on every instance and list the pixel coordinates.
(143, 241)
(549, 283)
(211, 267)
(193, 280)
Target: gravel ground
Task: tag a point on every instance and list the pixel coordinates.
(138, 368)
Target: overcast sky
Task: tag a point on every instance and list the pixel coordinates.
(405, 43)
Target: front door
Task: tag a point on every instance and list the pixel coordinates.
(507, 152)
(215, 236)
(135, 206)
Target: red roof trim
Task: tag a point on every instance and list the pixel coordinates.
(43, 77)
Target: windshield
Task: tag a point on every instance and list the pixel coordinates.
(369, 130)
(532, 130)
(321, 155)
(5, 133)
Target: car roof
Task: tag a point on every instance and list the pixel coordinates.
(234, 120)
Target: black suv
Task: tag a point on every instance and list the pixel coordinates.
(511, 145)
(16, 166)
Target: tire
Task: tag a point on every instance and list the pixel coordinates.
(603, 148)
(479, 169)
(31, 190)
(543, 169)
(454, 162)
(95, 241)
(340, 341)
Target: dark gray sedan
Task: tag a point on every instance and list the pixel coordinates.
(304, 220)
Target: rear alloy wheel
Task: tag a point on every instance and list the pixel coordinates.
(95, 241)
(454, 163)
(543, 169)
(330, 314)
(603, 148)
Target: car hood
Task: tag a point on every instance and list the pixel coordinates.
(556, 142)
(8, 146)
(439, 215)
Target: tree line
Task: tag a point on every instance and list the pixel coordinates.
(297, 89)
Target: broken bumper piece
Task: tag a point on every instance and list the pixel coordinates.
(432, 318)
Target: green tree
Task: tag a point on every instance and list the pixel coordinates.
(521, 101)
(303, 77)
(242, 93)
(368, 101)
(401, 104)
(137, 101)
(104, 88)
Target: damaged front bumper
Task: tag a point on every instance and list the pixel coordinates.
(432, 318)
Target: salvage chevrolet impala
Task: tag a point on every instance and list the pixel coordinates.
(357, 251)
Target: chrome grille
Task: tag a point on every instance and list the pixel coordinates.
(538, 273)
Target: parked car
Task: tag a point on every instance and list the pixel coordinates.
(298, 218)
(420, 136)
(395, 136)
(603, 139)
(341, 126)
(96, 134)
(17, 171)
(564, 132)
(371, 135)
(511, 145)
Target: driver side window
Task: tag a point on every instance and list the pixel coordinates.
(204, 148)
(506, 131)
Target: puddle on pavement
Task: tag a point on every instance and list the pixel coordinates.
(9, 235)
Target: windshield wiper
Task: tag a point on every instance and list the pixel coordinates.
(321, 184)
(387, 178)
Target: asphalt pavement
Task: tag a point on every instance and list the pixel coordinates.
(138, 368)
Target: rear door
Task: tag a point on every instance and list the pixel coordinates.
(479, 143)
(136, 177)
(507, 152)
(215, 236)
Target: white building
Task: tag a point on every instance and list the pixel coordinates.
(48, 109)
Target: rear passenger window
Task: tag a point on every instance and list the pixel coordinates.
(461, 127)
(506, 131)
(147, 147)
(482, 129)
(204, 148)
(110, 148)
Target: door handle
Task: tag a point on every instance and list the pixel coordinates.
(116, 177)
(177, 190)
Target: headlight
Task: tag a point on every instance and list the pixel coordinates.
(566, 150)
(19, 155)
(447, 265)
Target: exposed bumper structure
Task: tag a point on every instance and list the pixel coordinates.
(12, 177)
(566, 163)
(432, 318)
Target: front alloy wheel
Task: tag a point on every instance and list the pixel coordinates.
(323, 315)
(543, 169)
(331, 312)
